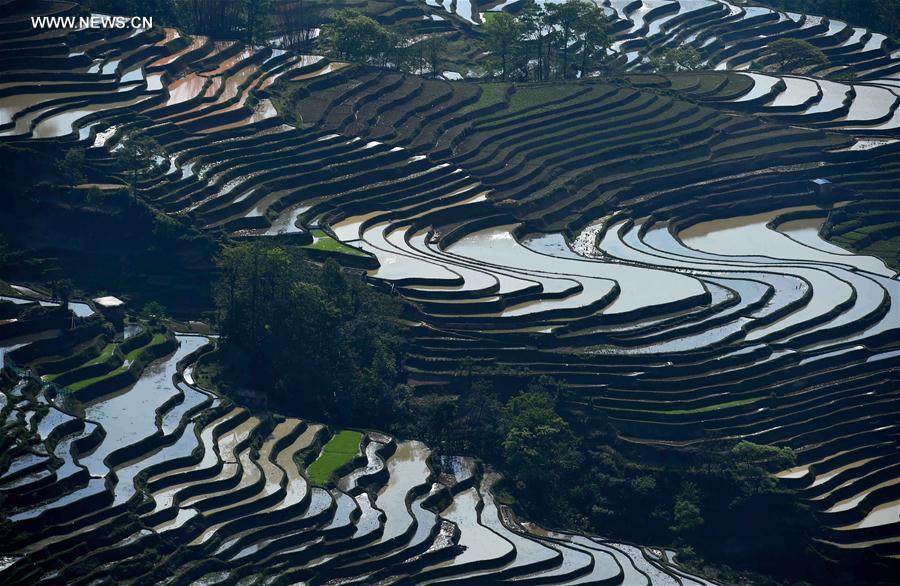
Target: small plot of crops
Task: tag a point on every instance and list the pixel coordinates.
(324, 242)
(337, 453)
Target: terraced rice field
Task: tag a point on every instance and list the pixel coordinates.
(729, 35)
(654, 242)
(185, 497)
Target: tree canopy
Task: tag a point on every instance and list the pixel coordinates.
(680, 58)
(539, 447)
(502, 33)
(71, 167)
(793, 54)
(352, 36)
(139, 153)
(315, 341)
(549, 41)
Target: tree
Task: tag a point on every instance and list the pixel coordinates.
(532, 18)
(793, 54)
(688, 519)
(502, 32)
(399, 51)
(546, 385)
(434, 48)
(71, 167)
(220, 18)
(593, 30)
(751, 465)
(139, 153)
(153, 310)
(553, 39)
(62, 289)
(771, 456)
(95, 196)
(355, 37)
(643, 485)
(888, 13)
(538, 445)
(439, 417)
(256, 12)
(563, 22)
(681, 58)
(480, 410)
(297, 23)
(253, 290)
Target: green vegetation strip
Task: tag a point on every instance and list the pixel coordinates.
(105, 355)
(322, 241)
(339, 451)
(129, 358)
(738, 403)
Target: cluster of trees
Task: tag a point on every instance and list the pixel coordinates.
(518, 428)
(721, 502)
(118, 243)
(316, 341)
(253, 21)
(297, 23)
(62, 289)
(547, 41)
(565, 474)
(137, 153)
(350, 35)
(219, 18)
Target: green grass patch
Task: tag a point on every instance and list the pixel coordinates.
(322, 241)
(491, 93)
(708, 408)
(103, 356)
(156, 341)
(75, 387)
(528, 97)
(339, 451)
